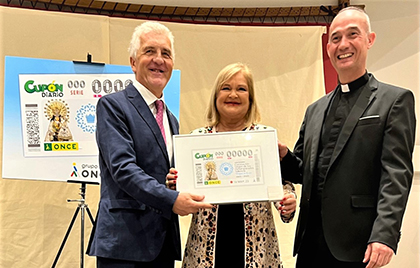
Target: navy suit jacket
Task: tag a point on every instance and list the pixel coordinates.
(370, 174)
(135, 208)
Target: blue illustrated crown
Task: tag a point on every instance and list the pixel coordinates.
(90, 119)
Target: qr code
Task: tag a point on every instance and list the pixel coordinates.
(32, 125)
(199, 173)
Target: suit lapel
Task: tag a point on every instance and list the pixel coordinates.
(366, 97)
(318, 116)
(172, 122)
(144, 111)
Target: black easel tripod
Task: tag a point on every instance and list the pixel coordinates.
(82, 206)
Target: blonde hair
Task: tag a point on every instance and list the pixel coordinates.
(147, 27)
(253, 114)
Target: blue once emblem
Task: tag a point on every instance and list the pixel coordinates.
(226, 169)
(85, 118)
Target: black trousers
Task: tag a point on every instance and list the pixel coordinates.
(314, 251)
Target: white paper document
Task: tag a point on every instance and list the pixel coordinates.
(229, 167)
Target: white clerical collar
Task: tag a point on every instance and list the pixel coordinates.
(345, 88)
(148, 96)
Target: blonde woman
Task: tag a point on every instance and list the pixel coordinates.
(237, 235)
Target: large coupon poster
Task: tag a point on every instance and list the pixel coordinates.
(59, 111)
(50, 116)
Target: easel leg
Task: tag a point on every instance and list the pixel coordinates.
(82, 238)
(90, 215)
(83, 206)
(65, 237)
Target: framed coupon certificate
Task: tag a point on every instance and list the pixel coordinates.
(229, 167)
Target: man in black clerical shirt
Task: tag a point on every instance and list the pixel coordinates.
(353, 159)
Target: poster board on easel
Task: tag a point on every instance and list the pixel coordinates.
(50, 116)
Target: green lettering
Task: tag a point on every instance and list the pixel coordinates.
(59, 87)
(29, 86)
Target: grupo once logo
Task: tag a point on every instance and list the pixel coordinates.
(51, 90)
(86, 171)
(74, 172)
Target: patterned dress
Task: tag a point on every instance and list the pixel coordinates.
(260, 238)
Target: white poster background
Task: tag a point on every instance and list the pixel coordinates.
(52, 104)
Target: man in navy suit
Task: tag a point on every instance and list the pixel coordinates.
(137, 225)
(353, 159)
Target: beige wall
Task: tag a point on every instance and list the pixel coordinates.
(34, 215)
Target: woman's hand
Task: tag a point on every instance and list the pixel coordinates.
(171, 179)
(287, 204)
(283, 150)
